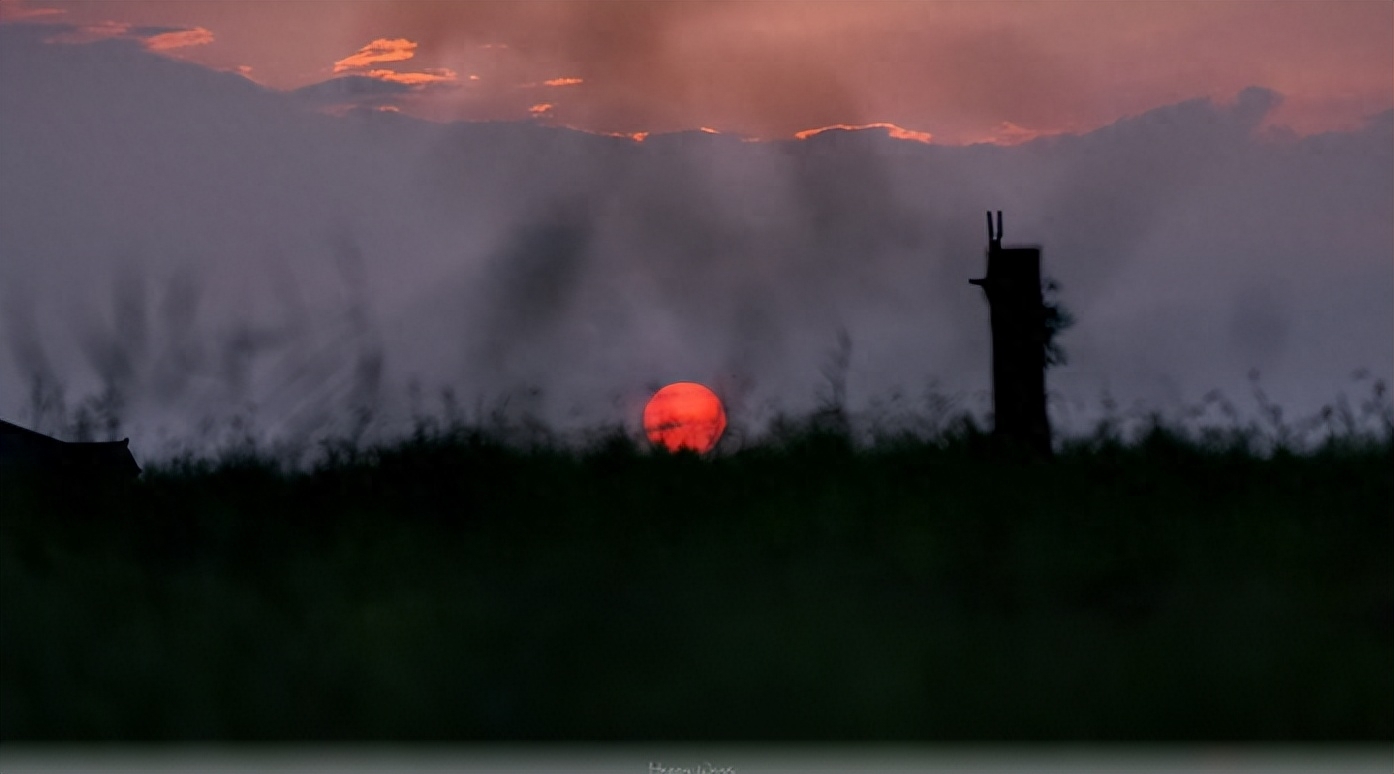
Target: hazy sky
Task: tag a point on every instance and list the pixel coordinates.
(191, 212)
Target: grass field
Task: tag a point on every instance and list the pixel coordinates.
(456, 587)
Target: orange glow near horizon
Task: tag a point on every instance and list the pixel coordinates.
(684, 415)
(898, 132)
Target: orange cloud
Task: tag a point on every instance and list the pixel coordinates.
(153, 39)
(898, 132)
(552, 82)
(635, 136)
(708, 130)
(901, 133)
(380, 50)
(423, 78)
(541, 108)
(196, 36)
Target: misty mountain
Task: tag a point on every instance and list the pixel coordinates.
(213, 247)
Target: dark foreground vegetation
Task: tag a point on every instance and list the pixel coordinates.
(455, 587)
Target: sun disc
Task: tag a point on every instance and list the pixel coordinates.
(684, 415)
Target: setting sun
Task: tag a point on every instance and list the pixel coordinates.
(684, 415)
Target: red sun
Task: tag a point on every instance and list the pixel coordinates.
(684, 415)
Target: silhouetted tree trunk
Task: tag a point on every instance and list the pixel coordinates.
(1019, 337)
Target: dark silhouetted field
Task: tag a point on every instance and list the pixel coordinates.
(455, 587)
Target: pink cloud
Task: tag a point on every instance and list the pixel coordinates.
(16, 10)
(1008, 133)
(196, 36)
(90, 33)
(153, 39)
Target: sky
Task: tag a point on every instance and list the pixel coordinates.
(292, 212)
(960, 71)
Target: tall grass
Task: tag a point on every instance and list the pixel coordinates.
(482, 580)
